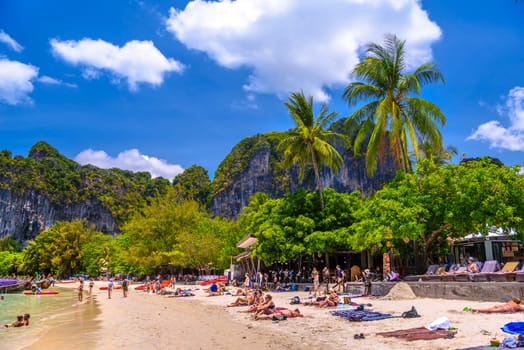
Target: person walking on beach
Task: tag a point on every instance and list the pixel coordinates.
(81, 290)
(340, 278)
(125, 286)
(91, 285)
(316, 281)
(110, 288)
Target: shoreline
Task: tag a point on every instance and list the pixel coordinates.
(146, 320)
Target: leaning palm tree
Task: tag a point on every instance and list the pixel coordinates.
(392, 118)
(308, 143)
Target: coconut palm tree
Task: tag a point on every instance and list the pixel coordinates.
(392, 118)
(308, 143)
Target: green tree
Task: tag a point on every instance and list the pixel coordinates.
(308, 143)
(393, 116)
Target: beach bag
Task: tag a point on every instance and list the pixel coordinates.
(279, 317)
(295, 300)
(411, 313)
(439, 323)
(294, 287)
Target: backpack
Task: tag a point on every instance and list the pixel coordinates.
(411, 313)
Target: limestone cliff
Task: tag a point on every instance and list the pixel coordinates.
(24, 216)
(253, 166)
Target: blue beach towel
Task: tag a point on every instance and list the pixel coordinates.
(364, 315)
(513, 328)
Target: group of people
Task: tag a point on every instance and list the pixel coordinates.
(261, 304)
(331, 300)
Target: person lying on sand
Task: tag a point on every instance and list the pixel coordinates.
(284, 312)
(18, 323)
(331, 300)
(510, 306)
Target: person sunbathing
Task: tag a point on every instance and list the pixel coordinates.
(510, 306)
(241, 301)
(331, 300)
(283, 312)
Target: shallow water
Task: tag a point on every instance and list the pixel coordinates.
(56, 320)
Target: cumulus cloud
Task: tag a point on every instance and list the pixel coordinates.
(130, 160)
(6, 39)
(511, 137)
(294, 45)
(44, 79)
(136, 61)
(16, 81)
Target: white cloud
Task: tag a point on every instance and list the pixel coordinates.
(6, 39)
(130, 160)
(44, 79)
(498, 136)
(16, 81)
(136, 61)
(294, 45)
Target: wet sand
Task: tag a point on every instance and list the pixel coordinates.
(147, 321)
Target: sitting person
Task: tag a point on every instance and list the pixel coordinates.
(472, 267)
(283, 312)
(266, 307)
(331, 300)
(26, 319)
(18, 323)
(510, 306)
(215, 290)
(240, 301)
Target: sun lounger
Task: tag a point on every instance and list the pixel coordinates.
(506, 274)
(430, 274)
(461, 272)
(489, 267)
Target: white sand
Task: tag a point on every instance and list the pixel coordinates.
(147, 321)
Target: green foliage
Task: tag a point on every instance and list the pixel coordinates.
(295, 226)
(438, 204)
(65, 249)
(177, 233)
(308, 143)
(194, 185)
(10, 262)
(393, 116)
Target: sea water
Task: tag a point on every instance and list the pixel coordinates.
(52, 316)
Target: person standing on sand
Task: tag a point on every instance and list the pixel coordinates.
(316, 281)
(81, 290)
(125, 286)
(110, 288)
(91, 285)
(340, 278)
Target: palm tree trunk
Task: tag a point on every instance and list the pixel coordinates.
(317, 176)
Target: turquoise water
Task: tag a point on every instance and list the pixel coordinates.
(46, 312)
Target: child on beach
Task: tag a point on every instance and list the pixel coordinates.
(18, 323)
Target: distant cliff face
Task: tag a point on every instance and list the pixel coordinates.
(253, 166)
(24, 216)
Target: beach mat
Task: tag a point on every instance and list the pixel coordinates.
(513, 328)
(364, 315)
(418, 333)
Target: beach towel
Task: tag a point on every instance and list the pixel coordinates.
(419, 333)
(513, 328)
(364, 315)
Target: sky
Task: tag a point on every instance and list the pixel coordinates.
(161, 85)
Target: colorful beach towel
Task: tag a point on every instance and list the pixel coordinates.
(514, 328)
(419, 333)
(364, 315)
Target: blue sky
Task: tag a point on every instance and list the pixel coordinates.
(161, 85)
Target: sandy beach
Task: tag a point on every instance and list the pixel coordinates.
(151, 321)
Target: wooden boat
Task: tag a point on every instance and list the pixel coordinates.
(11, 285)
(47, 292)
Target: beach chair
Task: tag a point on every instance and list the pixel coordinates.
(458, 270)
(506, 274)
(431, 273)
(489, 267)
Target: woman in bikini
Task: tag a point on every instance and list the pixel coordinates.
(510, 306)
(283, 312)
